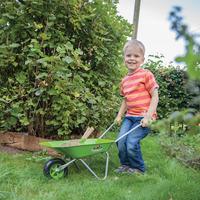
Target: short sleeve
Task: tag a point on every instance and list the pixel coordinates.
(150, 82)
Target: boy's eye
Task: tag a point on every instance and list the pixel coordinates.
(135, 55)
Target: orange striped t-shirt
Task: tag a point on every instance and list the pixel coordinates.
(136, 89)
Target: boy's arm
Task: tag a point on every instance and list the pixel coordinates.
(121, 112)
(152, 108)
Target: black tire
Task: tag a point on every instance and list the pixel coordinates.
(51, 166)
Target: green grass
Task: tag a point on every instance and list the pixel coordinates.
(21, 178)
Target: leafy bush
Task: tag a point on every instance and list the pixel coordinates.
(59, 64)
(172, 80)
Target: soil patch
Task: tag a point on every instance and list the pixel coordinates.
(10, 150)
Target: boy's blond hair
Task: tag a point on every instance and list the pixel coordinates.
(134, 42)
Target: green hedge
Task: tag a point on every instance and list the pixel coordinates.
(59, 65)
(173, 81)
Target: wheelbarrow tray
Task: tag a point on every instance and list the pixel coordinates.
(79, 148)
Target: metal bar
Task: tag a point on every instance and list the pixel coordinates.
(136, 18)
(65, 165)
(107, 130)
(92, 172)
(127, 132)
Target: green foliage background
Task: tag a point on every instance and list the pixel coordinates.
(173, 84)
(59, 64)
(180, 132)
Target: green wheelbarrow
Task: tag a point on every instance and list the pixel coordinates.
(76, 150)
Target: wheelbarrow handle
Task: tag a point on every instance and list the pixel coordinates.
(107, 130)
(128, 132)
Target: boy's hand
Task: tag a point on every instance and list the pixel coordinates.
(118, 120)
(145, 121)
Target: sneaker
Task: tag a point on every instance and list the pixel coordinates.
(134, 171)
(121, 169)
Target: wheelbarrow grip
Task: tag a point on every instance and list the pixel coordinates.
(128, 132)
(107, 130)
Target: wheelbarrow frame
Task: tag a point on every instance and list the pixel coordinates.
(63, 167)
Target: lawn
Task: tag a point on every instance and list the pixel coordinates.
(21, 178)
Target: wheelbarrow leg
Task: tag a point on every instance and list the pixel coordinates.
(106, 168)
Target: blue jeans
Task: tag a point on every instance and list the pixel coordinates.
(129, 146)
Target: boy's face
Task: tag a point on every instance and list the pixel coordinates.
(133, 58)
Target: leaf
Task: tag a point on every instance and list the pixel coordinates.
(24, 121)
(28, 62)
(38, 26)
(79, 51)
(53, 92)
(39, 92)
(40, 111)
(60, 50)
(69, 46)
(2, 21)
(14, 45)
(102, 83)
(12, 121)
(68, 59)
(44, 36)
(3, 46)
(3, 100)
(76, 94)
(21, 77)
(42, 61)
(8, 16)
(42, 75)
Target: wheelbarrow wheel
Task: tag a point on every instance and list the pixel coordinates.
(51, 168)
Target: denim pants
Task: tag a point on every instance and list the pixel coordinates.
(129, 146)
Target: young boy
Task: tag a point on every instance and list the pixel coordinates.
(140, 92)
